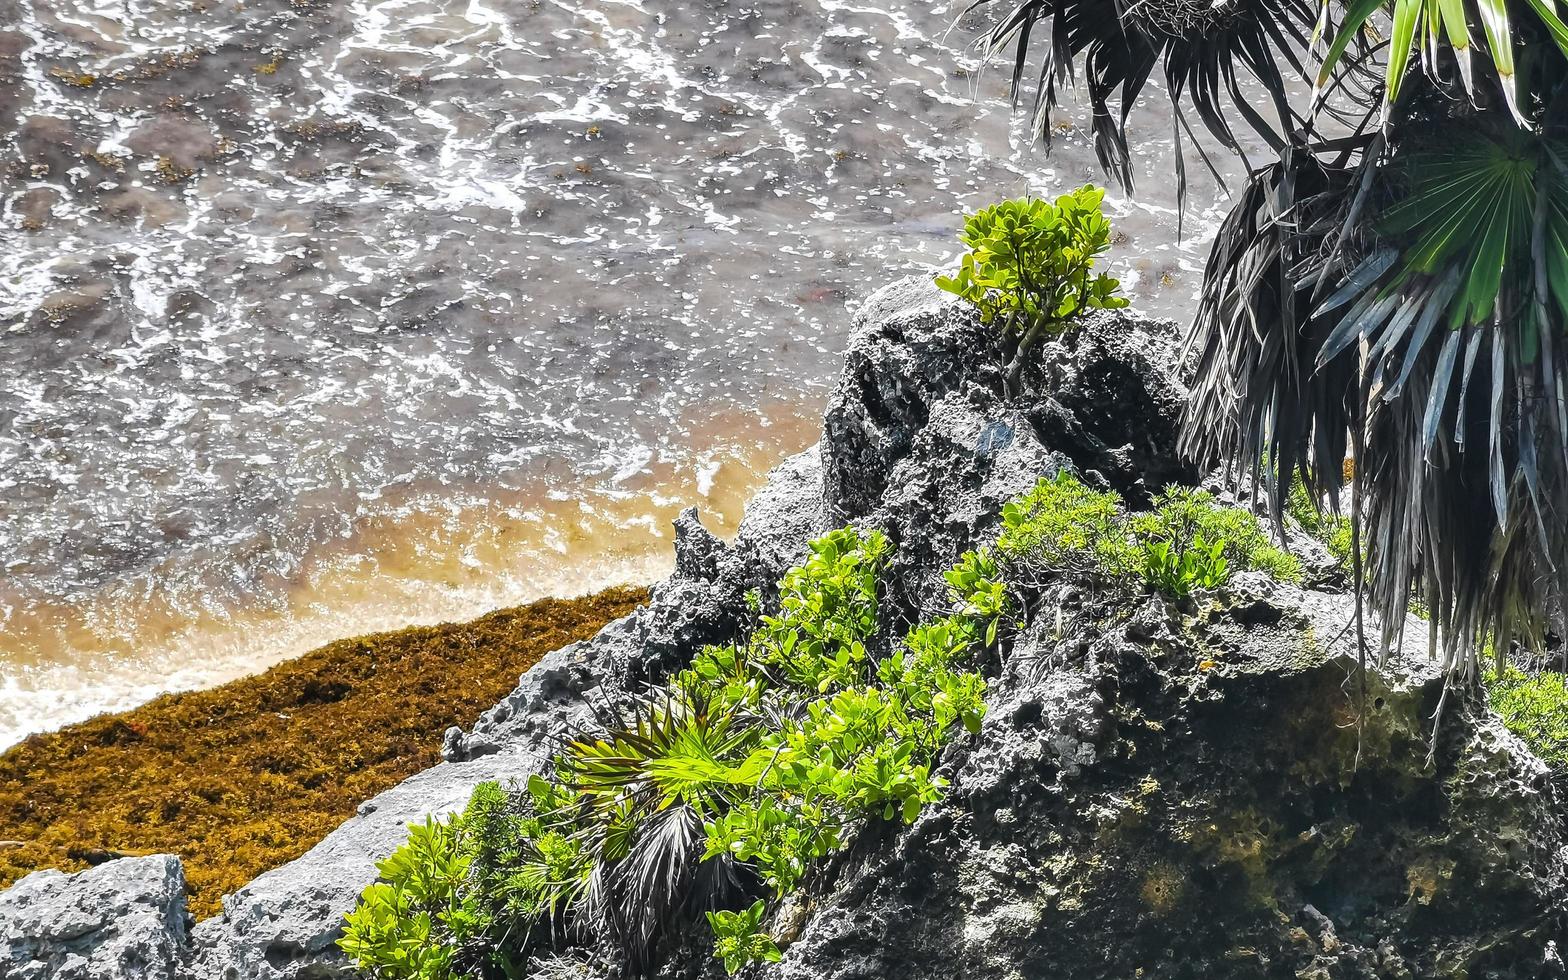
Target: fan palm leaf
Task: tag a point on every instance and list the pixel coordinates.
(1439, 347)
(682, 748)
(650, 783)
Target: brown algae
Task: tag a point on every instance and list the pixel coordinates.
(244, 777)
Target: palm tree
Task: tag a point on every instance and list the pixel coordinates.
(1393, 282)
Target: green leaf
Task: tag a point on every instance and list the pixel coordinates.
(1407, 18)
(1500, 42)
(1354, 21)
(1553, 24)
(1029, 264)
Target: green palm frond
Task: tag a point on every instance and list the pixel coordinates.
(647, 785)
(682, 748)
(1438, 344)
(1471, 210)
(1429, 33)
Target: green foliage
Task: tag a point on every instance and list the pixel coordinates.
(935, 694)
(1180, 568)
(1436, 24)
(763, 755)
(1063, 524)
(976, 585)
(1309, 513)
(678, 749)
(1029, 266)
(849, 752)
(1029, 261)
(1466, 213)
(409, 924)
(1187, 542)
(739, 939)
(827, 610)
(496, 833)
(776, 840)
(1534, 707)
(1190, 521)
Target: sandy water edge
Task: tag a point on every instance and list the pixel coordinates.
(445, 554)
(246, 776)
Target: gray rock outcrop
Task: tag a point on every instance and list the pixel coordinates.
(122, 920)
(1155, 792)
(1156, 797)
(919, 441)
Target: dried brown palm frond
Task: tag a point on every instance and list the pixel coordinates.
(1257, 382)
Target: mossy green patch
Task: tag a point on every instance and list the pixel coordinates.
(247, 776)
(1534, 707)
(1188, 541)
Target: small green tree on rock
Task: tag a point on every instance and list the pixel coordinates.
(1029, 268)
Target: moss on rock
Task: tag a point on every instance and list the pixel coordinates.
(245, 777)
(1535, 707)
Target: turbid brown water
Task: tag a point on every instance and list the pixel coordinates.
(317, 318)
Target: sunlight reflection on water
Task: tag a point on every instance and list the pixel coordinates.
(293, 291)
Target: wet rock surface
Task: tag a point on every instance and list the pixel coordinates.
(1157, 791)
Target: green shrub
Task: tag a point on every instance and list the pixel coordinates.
(494, 831)
(933, 693)
(1190, 520)
(1534, 707)
(827, 612)
(410, 924)
(1186, 542)
(976, 585)
(1180, 568)
(1063, 524)
(756, 761)
(1028, 268)
(739, 939)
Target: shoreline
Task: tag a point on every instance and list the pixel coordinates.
(194, 620)
(243, 777)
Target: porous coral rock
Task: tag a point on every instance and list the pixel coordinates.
(1158, 791)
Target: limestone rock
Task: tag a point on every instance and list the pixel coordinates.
(697, 550)
(919, 441)
(1202, 803)
(122, 920)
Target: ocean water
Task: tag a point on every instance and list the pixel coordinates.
(321, 317)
